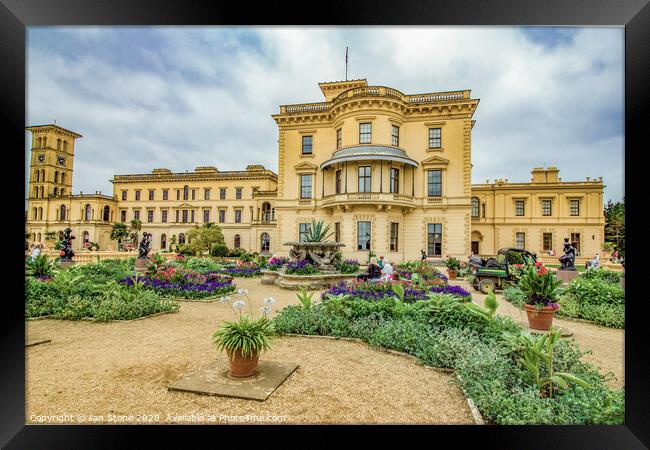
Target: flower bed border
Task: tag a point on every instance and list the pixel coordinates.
(476, 414)
(92, 319)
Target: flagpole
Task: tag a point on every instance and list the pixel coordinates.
(346, 64)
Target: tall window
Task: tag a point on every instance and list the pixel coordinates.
(547, 241)
(434, 239)
(124, 195)
(86, 237)
(58, 144)
(265, 242)
(435, 135)
(206, 215)
(307, 145)
(339, 138)
(365, 178)
(394, 236)
(185, 216)
(178, 215)
(222, 215)
(363, 236)
(520, 241)
(303, 231)
(193, 194)
(122, 216)
(546, 207)
(150, 215)
(238, 193)
(519, 208)
(165, 194)
(305, 186)
(338, 181)
(237, 241)
(87, 213)
(206, 194)
(222, 193)
(365, 133)
(337, 232)
(65, 146)
(394, 181)
(151, 194)
(238, 216)
(56, 191)
(56, 177)
(163, 241)
(574, 207)
(475, 207)
(434, 183)
(40, 214)
(394, 136)
(163, 215)
(178, 194)
(192, 216)
(137, 196)
(107, 214)
(575, 241)
(267, 214)
(186, 192)
(181, 238)
(136, 214)
(62, 177)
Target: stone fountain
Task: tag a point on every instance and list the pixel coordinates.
(321, 253)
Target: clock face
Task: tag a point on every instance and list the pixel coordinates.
(41, 157)
(60, 160)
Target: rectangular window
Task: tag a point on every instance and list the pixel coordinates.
(476, 203)
(222, 215)
(339, 138)
(238, 215)
(434, 239)
(394, 181)
(365, 180)
(303, 231)
(483, 210)
(574, 207)
(192, 216)
(124, 195)
(337, 232)
(178, 194)
(185, 216)
(123, 216)
(151, 194)
(206, 215)
(394, 236)
(547, 239)
(520, 241)
(394, 137)
(150, 215)
(136, 214)
(363, 236)
(519, 208)
(435, 138)
(193, 194)
(137, 196)
(177, 216)
(222, 193)
(163, 216)
(338, 181)
(165, 194)
(305, 186)
(238, 193)
(575, 241)
(206, 194)
(546, 207)
(365, 133)
(307, 145)
(434, 183)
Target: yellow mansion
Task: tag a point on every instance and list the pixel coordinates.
(389, 172)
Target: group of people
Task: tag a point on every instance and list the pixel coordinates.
(378, 269)
(36, 251)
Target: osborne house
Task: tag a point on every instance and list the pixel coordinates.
(389, 172)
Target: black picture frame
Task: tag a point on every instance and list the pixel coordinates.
(15, 15)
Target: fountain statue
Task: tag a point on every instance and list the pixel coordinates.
(145, 245)
(567, 260)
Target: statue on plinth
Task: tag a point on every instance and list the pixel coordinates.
(145, 245)
(567, 260)
(66, 246)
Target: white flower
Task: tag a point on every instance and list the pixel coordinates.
(224, 299)
(266, 310)
(242, 291)
(269, 301)
(239, 304)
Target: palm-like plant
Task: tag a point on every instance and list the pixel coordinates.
(40, 267)
(318, 233)
(247, 335)
(304, 298)
(119, 232)
(136, 226)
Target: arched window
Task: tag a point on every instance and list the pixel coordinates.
(107, 214)
(87, 213)
(35, 191)
(476, 204)
(86, 237)
(56, 191)
(58, 144)
(65, 146)
(62, 213)
(42, 192)
(38, 142)
(266, 212)
(62, 177)
(39, 237)
(62, 191)
(163, 241)
(40, 213)
(44, 142)
(56, 177)
(237, 241)
(186, 191)
(181, 238)
(34, 214)
(38, 176)
(266, 242)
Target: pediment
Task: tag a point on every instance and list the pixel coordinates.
(306, 167)
(435, 161)
(184, 205)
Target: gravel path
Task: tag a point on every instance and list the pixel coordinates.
(607, 344)
(123, 369)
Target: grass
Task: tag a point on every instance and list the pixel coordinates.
(557, 266)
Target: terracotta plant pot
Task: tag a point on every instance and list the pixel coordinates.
(452, 274)
(540, 319)
(241, 367)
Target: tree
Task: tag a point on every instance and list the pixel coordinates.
(201, 239)
(615, 224)
(134, 230)
(119, 232)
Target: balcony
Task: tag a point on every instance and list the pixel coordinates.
(381, 200)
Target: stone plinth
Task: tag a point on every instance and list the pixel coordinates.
(566, 275)
(269, 276)
(66, 264)
(141, 264)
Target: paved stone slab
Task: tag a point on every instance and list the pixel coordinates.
(215, 380)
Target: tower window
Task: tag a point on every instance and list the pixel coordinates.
(365, 133)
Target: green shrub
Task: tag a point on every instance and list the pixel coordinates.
(514, 295)
(203, 265)
(607, 315)
(219, 250)
(595, 291)
(608, 276)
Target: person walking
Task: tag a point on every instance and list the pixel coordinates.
(424, 255)
(36, 251)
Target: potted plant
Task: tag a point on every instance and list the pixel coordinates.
(539, 287)
(453, 266)
(245, 338)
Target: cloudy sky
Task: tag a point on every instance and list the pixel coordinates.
(181, 97)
